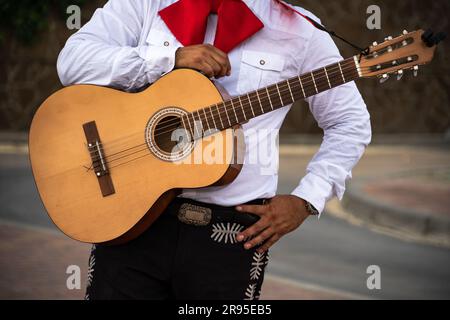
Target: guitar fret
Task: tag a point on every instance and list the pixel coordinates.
(290, 91)
(251, 105)
(184, 124)
(220, 117)
(343, 78)
(242, 107)
(314, 81)
(191, 132)
(270, 100)
(281, 98)
(238, 110)
(226, 111)
(195, 126)
(202, 127)
(212, 116)
(321, 80)
(301, 85)
(206, 119)
(260, 104)
(234, 110)
(326, 74)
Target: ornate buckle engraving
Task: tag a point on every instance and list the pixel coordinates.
(194, 215)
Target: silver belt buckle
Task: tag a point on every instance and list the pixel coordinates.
(194, 215)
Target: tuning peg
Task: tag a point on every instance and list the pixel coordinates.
(374, 43)
(388, 39)
(384, 78)
(415, 70)
(409, 59)
(432, 39)
(404, 42)
(399, 74)
(427, 37)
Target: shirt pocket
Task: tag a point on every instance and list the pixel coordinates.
(259, 69)
(162, 38)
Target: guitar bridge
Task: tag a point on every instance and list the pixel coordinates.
(99, 163)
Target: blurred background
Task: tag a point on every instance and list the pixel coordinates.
(395, 214)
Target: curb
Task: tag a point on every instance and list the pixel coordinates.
(334, 208)
(13, 142)
(419, 224)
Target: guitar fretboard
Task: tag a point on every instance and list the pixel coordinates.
(240, 109)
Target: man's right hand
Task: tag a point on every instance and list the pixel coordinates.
(205, 58)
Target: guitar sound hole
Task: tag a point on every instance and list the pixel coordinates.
(165, 136)
(169, 136)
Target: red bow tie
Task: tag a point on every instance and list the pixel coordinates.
(187, 19)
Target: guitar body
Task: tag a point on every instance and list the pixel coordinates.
(140, 182)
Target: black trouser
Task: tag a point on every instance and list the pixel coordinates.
(176, 260)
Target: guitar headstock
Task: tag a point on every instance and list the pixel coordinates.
(394, 55)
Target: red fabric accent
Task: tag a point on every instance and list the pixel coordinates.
(187, 20)
(288, 7)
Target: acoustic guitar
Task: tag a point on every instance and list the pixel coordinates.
(107, 163)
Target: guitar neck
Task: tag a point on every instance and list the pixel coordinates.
(240, 109)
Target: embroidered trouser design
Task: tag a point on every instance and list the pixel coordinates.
(176, 260)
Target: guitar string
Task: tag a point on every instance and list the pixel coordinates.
(335, 66)
(285, 91)
(115, 141)
(225, 109)
(108, 159)
(229, 108)
(117, 159)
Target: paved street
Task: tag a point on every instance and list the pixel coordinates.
(327, 258)
(333, 253)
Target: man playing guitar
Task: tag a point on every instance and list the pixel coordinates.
(244, 45)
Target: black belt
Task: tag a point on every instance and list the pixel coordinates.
(215, 206)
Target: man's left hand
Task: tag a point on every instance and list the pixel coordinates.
(283, 214)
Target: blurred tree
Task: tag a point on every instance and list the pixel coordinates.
(27, 18)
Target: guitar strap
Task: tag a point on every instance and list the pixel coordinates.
(322, 28)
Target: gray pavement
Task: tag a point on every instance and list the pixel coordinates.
(328, 255)
(334, 253)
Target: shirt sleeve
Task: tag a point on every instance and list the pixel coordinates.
(342, 115)
(105, 51)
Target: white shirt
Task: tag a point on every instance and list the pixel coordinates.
(126, 45)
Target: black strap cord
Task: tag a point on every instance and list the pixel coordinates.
(363, 52)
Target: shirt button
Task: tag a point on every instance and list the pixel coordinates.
(262, 62)
(166, 43)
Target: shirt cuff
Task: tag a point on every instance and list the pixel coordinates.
(160, 59)
(315, 190)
